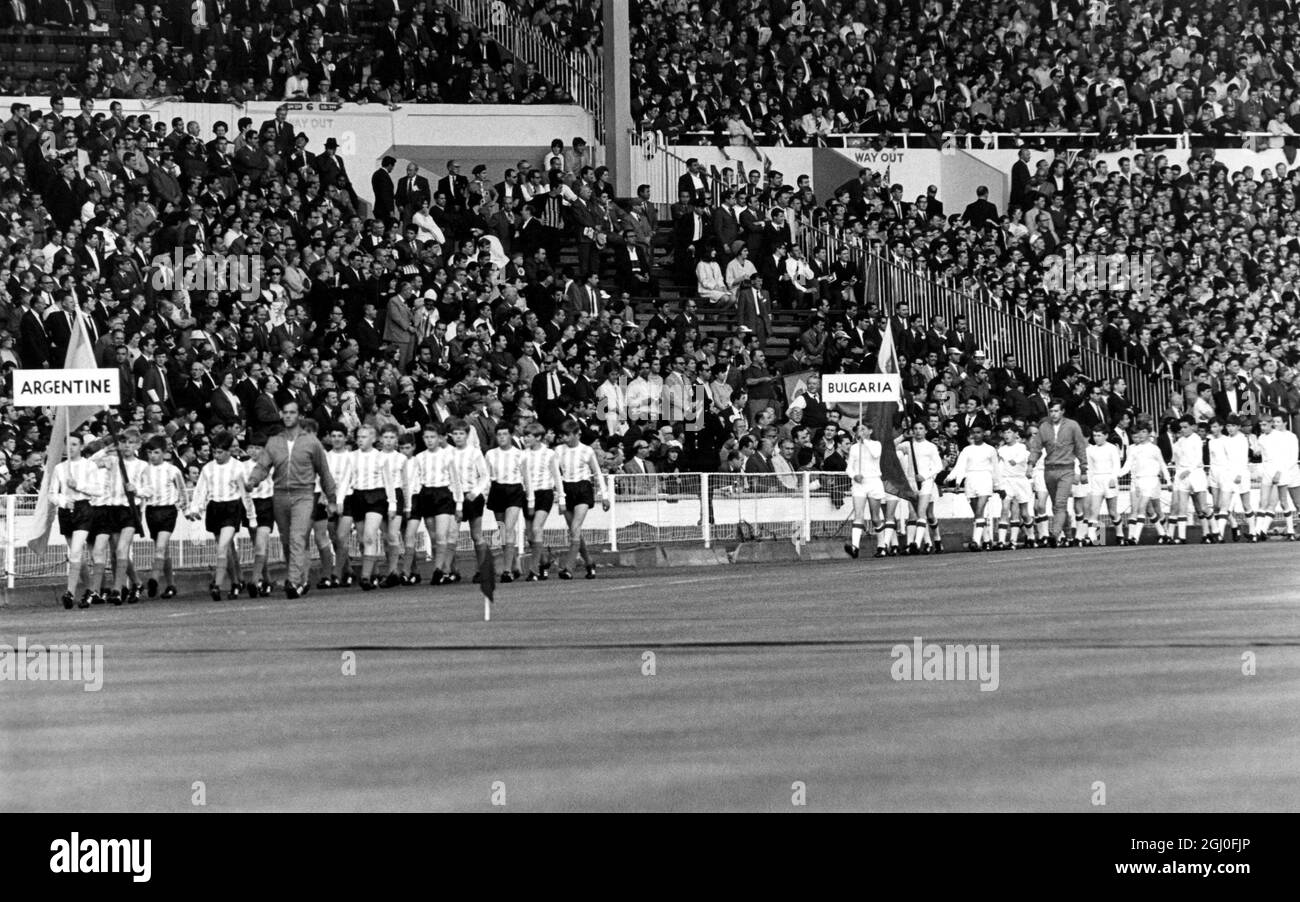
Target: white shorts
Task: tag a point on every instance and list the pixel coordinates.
(1194, 483)
(928, 490)
(1103, 486)
(1289, 477)
(1080, 488)
(1225, 480)
(1018, 490)
(979, 485)
(1039, 483)
(1146, 487)
(869, 487)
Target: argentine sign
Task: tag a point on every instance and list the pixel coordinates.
(859, 389)
(66, 388)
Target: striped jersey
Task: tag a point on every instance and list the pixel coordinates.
(506, 467)
(265, 488)
(162, 485)
(410, 479)
(471, 471)
(435, 469)
(84, 473)
(370, 471)
(577, 464)
(111, 492)
(395, 467)
(541, 464)
(340, 464)
(221, 482)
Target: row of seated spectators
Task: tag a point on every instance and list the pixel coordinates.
(389, 53)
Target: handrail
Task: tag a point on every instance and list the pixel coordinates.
(579, 74)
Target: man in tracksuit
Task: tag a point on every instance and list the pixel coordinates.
(295, 458)
(1060, 441)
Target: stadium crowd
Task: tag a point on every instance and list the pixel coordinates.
(793, 73)
(326, 52)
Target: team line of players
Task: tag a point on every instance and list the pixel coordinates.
(385, 491)
(1009, 471)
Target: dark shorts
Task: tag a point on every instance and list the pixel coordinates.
(160, 519)
(543, 500)
(222, 514)
(435, 501)
(265, 510)
(576, 493)
(401, 504)
(367, 501)
(472, 510)
(319, 512)
(76, 519)
(111, 518)
(503, 496)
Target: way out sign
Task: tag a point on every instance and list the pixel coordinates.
(67, 388)
(858, 389)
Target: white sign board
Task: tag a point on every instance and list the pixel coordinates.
(858, 389)
(67, 388)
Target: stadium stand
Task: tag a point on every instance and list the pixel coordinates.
(453, 292)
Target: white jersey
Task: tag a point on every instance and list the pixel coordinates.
(1013, 461)
(471, 473)
(1103, 461)
(976, 459)
(1189, 453)
(265, 488)
(505, 467)
(1230, 452)
(1279, 451)
(923, 457)
(864, 459)
(1145, 461)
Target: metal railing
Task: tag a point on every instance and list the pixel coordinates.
(950, 140)
(1039, 350)
(582, 76)
(688, 509)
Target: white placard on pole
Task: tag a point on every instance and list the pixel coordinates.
(67, 388)
(842, 388)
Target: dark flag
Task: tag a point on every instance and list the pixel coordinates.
(880, 414)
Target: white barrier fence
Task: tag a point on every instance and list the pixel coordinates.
(706, 509)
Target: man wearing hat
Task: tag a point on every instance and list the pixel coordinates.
(329, 165)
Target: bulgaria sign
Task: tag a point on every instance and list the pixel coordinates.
(67, 388)
(857, 389)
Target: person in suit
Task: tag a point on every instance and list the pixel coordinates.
(550, 390)
(754, 309)
(369, 339)
(381, 185)
(454, 185)
(266, 412)
(155, 382)
(960, 337)
(413, 191)
(583, 297)
(224, 406)
(399, 327)
(280, 130)
(1020, 175)
(1094, 411)
(981, 211)
(58, 326)
(693, 181)
(33, 340)
(1008, 373)
(634, 269)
